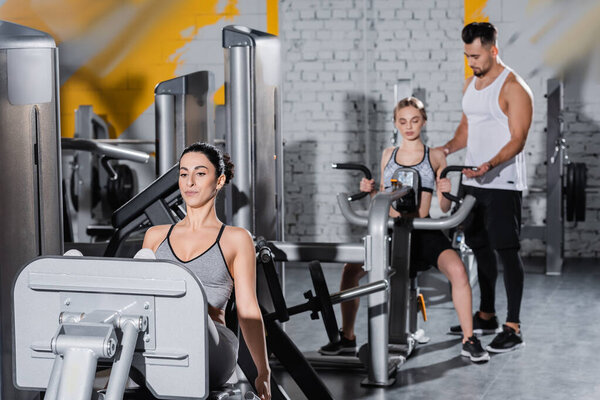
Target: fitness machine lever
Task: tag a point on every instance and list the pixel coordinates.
(356, 167)
(454, 168)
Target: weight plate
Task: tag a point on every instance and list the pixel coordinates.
(322, 293)
(580, 198)
(120, 190)
(570, 193)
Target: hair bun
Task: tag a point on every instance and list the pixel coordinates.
(229, 168)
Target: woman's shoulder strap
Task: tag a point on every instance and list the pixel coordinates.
(220, 232)
(170, 230)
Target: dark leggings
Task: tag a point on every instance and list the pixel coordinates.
(487, 272)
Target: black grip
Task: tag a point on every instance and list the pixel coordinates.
(265, 259)
(356, 167)
(353, 166)
(454, 168)
(110, 170)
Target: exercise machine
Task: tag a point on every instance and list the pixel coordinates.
(566, 185)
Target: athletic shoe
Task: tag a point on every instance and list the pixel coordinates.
(472, 349)
(480, 326)
(342, 346)
(505, 341)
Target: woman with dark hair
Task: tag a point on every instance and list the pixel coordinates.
(218, 255)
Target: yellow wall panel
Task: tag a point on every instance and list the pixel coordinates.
(474, 12)
(119, 79)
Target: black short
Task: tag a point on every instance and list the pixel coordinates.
(495, 219)
(426, 247)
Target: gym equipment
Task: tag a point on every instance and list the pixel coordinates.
(159, 203)
(252, 92)
(31, 205)
(97, 184)
(394, 330)
(357, 167)
(407, 177)
(70, 313)
(458, 237)
(184, 114)
(566, 185)
(575, 191)
(278, 343)
(322, 302)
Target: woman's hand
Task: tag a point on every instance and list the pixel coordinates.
(444, 185)
(263, 385)
(367, 185)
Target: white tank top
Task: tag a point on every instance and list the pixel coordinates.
(488, 133)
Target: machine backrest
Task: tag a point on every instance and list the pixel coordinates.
(172, 354)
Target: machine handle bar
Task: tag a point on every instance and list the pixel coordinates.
(454, 168)
(103, 149)
(356, 167)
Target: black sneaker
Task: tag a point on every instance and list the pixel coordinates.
(472, 349)
(480, 326)
(343, 346)
(505, 341)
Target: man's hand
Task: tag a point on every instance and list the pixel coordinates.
(442, 149)
(481, 170)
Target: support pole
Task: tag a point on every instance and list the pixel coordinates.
(554, 183)
(78, 373)
(377, 264)
(164, 105)
(52, 389)
(240, 108)
(122, 364)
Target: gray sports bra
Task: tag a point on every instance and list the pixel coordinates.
(210, 267)
(424, 168)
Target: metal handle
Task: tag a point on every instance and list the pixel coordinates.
(356, 167)
(104, 149)
(454, 168)
(354, 218)
(447, 222)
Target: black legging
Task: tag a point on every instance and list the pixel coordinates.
(487, 273)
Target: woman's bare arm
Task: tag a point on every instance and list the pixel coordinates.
(249, 314)
(154, 237)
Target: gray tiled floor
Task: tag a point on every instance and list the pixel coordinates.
(561, 327)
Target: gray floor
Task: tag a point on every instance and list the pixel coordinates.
(560, 322)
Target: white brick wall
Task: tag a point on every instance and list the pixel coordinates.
(341, 60)
(581, 111)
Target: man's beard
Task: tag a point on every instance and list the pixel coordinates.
(481, 72)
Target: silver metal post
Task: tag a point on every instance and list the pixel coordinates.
(350, 294)
(377, 263)
(120, 369)
(554, 183)
(52, 389)
(164, 105)
(240, 109)
(78, 373)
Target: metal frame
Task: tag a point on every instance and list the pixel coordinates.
(68, 312)
(376, 244)
(31, 205)
(184, 114)
(252, 85)
(554, 231)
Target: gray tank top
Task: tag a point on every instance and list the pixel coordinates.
(210, 268)
(424, 168)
